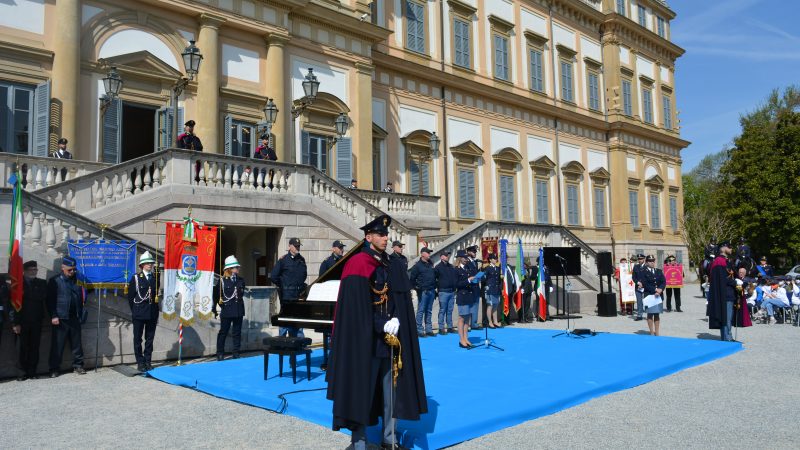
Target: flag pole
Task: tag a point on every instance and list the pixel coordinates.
(103, 227)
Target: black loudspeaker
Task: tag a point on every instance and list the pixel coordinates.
(605, 266)
(607, 304)
(571, 260)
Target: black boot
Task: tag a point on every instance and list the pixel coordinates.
(235, 356)
(220, 356)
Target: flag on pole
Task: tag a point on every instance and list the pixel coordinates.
(15, 244)
(519, 272)
(189, 271)
(540, 287)
(503, 245)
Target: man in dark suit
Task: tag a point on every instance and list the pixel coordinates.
(65, 304)
(143, 300)
(27, 322)
(337, 250)
(653, 283)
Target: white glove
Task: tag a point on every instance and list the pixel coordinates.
(739, 282)
(551, 289)
(392, 326)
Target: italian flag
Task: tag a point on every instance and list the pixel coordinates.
(540, 288)
(15, 244)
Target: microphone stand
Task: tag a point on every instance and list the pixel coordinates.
(567, 288)
(486, 342)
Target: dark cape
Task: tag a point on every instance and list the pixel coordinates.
(741, 312)
(721, 290)
(411, 400)
(357, 400)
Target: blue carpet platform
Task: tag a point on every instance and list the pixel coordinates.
(568, 371)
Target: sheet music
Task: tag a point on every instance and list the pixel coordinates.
(327, 291)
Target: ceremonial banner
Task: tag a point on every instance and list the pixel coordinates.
(189, 270)
(15, 269)
(674, 275)
(488, 246)
(104, 264)
(627, 288)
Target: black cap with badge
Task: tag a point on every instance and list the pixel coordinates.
(338, 244)
(380, 225)
(295, 242)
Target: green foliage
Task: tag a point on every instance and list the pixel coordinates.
(760, 182)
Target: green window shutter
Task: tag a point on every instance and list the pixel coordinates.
(41, 120)
(227, 125)
(344, 158)
(414, 170)
(111, 132)
(305, 157)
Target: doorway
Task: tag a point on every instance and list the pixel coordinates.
(138, 131)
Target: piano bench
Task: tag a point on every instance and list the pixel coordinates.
(292, 354)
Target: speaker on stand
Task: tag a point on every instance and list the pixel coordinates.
(606, 299)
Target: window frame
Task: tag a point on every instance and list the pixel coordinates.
(666, 106)
(546, 183)
(466, 168)
(501, 174)
(673, 213)
(543, 81)
(504, 38)
(239, 125)
(468, 22)
(323, 154)
(642, 18)
(661, 26)
(622, 8)
(591, 71)
(633, 208)
(627, 97)
(11, 140)
(406, 10)
(562, 62)
(655, 211)
(647, 104)
(577, 189)
(424, 182)
(599, 193)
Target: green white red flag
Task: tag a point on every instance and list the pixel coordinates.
(15, 244)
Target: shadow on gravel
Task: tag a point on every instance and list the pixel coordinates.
(708, 336)
(642, 332)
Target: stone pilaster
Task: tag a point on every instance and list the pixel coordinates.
(208, 79)
(67, 71)
(361, 115)
(276, 90)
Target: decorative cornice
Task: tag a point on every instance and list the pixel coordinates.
(212, 20)
(543, 163)
(640, 39)
(365, 69)
(501, 24)
(278, 40)
(566, 51)
(467, 148)
(461, 7)
(508, 155)
(591, 62)
(26, 51)
(535, 38)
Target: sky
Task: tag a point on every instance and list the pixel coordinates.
(737, 52)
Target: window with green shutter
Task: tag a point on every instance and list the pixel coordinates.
(627, 103)
(542, 202)
(507, 198)
(466, 193)
(599, 207)
(573, 215)
(655, 212)
(461, 43)
(415, 26)
(633, 205)
(537, 70)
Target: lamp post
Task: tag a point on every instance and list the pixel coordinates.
(434, 141)
(271, 115)
(340, 124)
(310, 90)
(112, 84)
(191, 61)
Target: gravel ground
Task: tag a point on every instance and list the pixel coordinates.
(743, 401)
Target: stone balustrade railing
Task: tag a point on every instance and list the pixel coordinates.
(396, 204)
(120, 182)
(39, 172)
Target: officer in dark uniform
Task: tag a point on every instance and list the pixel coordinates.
(65, 304)
(446, 278)
(289, 275)
(653, 283)
(264, 151)
(230, 298)
(637, 281)
(143, 300)
(27, 322)
(188, 140)
(473, 267)
(493, 290)
(337, 250)
(62, 152)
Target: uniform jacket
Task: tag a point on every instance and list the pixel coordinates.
(63, 296)
(652, 280)
(266, 153)
(472, 269)
(34, 303)
(229, 297)
(465, 295)
(398, 273)
(142, 297)
(423, 276)
(328, 263)
(446, 277)
(492, 274)
(189, 142)
(65, 154)
(289, 275)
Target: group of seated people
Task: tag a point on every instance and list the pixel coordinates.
(771, 297)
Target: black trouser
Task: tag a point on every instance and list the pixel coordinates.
(30, 336)
(66, 328)
(148, 328)
(225, 325)
(525, 313)
(677, 292)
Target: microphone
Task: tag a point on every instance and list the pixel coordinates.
(560, 257)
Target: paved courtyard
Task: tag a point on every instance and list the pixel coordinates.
(748, 400)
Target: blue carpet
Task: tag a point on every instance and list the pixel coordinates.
(557, 373)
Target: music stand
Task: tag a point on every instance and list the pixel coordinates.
(567, 289)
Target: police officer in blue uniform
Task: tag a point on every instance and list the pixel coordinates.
(143, 300)
(636, 277)
(337, 250)
(653, 283)
(289, 275)
(465, 297)
(493, 290)
(65, 303)
(230, 298)
(423, 279)
(188, 139)
(472, 268)
(446, 278)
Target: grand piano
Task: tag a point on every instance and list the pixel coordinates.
(316, 305)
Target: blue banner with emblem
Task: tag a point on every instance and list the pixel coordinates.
(102, 263)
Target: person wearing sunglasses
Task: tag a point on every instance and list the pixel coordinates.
(65, 304)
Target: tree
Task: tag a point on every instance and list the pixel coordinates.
(700, 184)
(759, 181)
(698, 228)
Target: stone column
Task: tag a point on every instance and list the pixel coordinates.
(611, 74)
(361, 115)
(207, 112)
(618, 191)
(276, 90)
(67, 71)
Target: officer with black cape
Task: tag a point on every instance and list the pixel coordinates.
(722, 293)
(360, 373)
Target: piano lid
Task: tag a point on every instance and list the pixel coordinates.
(335, 272)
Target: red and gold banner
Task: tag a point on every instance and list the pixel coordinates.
(488, 246)
(189, 271)
(674, 275)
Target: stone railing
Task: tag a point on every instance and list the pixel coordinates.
(49, 227)
(532, 236)
(121, 182)
(39, 172)
(407, 207)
